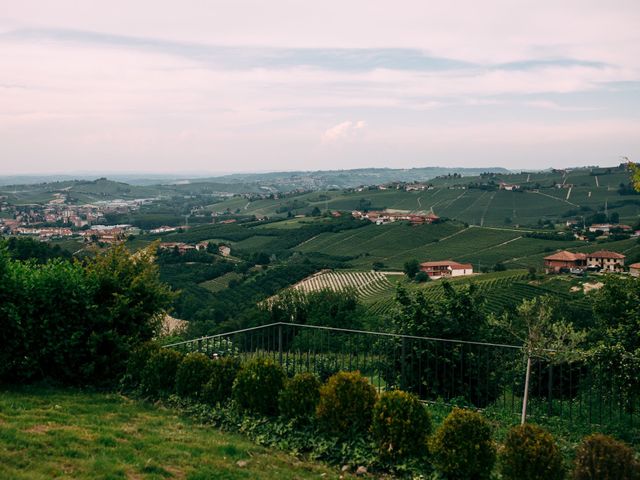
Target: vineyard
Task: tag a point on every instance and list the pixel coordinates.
(501, 290)
(366, 284)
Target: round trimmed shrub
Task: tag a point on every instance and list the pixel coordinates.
(300, 396)
(223, 373)
(159, 374)
(193, 372)
(401, 425)
(136, 363)
(346, 403)
(601, 457)
(530, 453)
(257, 386)
(462, 447)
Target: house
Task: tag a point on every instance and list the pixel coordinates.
(224, 250)
(606, 261)
(634, 269)
(509, 186)
(564, 260)
(202, 246)
(446, 268)
(602, 227)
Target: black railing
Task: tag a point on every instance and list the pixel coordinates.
(481, 375)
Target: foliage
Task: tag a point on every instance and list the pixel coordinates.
(346, 403)
(462, 447)
(300, 396)
(192, 374)
(530, 453)
(542, 331)
(159, 374)
(634, 169)
(456, 315)
(600, 457)
(223, 373)
(257, 386)
(77, 323)
(25, 248)
(400, 425)
(411, 268)
(136, 363)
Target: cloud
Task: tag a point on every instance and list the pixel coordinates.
(343, 131)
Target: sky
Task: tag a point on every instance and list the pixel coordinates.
(211, 86)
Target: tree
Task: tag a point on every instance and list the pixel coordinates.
(634, 170)
(315, 212)
(543, 335)
(411, 267)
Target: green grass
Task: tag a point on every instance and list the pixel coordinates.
(50, 433)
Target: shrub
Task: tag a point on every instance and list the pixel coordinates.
(193, 372)
(300, 396)
(159, 374)
(601, 457)
(462, 446)
(400, 425)
(346, 403)
(530, 453)
(136, 363)
(222, 375)
(257, 386)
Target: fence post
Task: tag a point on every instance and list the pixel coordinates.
(526, 391)
(200, 345)
(403, 362)
(550, 389)
(280, 343)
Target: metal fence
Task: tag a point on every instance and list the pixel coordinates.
(481, 375)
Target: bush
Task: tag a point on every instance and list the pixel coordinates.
(300, 396)
(462, 446)
(346, 403)
(193, 372)
(530, 453)
(257, 386)
(601, 457)
(159, 374)
(136, 363)
(401, 425)
(222, 375)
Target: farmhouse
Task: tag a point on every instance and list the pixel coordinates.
(634, 269)
(564, 260)
(606, 260)
(224, 250)
(446, 268)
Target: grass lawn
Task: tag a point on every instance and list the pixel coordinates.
(48, 433)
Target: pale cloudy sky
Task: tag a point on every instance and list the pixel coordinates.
(254, 85)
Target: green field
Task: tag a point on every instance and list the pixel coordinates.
(220, 283)
(54, 433)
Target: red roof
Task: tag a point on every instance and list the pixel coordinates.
(448, 263)
(606, 254)
(566, 256)
(635, 265)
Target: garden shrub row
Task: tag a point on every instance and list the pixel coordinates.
(393, 428)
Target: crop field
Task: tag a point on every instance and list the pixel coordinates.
(220, 283)
(500, 290)
(366, 284)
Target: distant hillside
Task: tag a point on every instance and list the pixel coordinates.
(352, 178)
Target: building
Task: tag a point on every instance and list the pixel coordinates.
(446, 268)
(563, 261)
(224, 250)
(606, 261)
(634, 269)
